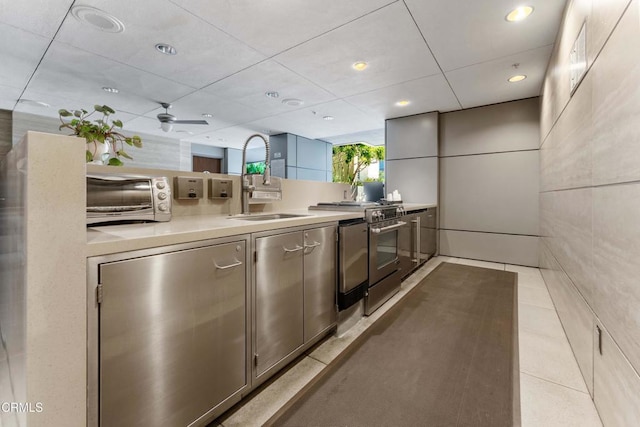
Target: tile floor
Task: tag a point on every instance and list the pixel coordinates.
(552, 391)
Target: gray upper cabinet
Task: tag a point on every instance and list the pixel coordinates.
(319, 280)
(278, 298)
(411, 137)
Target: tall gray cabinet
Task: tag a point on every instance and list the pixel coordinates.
(412, 157)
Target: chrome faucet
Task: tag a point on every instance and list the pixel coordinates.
(246, 185)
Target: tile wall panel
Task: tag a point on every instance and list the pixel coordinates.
(509, 126)
(616, 256)
(604, 16)
(503, 248)
(616, 104)
(415, 179)
(565, 157)
(567, 220)
(576, 316)
(616, 384)
(492, 192)
(412, 136)
(591, 229)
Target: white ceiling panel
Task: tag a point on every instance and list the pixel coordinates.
(232, 137)
(27, 105)
(71, 73)
(371, 137)
(249, 86)
(275, 25)
(20, 54)
(426, 94)
(386, 39)
(463, 32)
(303, 122)
(225, 113)
(205, 54)
(42, 17)
(487, 83)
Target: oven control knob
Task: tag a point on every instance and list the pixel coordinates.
(162, 196)
(160, 185)
(163, 207)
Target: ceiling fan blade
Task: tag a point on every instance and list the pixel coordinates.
(190, 122)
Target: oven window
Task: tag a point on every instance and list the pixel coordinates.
(112, 193)
(386, 247)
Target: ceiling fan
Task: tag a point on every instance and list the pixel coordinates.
(168, 120)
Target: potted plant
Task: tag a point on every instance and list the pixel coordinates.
(100, 131)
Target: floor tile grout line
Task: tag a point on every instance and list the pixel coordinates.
(553, 382)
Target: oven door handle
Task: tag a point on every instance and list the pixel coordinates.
(389, 228)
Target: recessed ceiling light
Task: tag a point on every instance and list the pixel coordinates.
(293, 102)
(35, 103)
(188, 132)
(328, 118)
(517, 78)
(97, 18)
(110, 89)
(519, 13)
(272, 94)
(166, 49)
(403, 103)
(207, 115)
(359, 66)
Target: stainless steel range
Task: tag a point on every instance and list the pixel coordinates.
(384, 273)
(368, 253)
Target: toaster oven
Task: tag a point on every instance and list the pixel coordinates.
(127, 198)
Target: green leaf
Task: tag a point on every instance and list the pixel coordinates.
(117, 123)
(108, 110)
(128, 141)
(89, 156)
(137, 141)
(64, 113)
(98, 108)
(115, 162)
(124, 154)
(77, 113)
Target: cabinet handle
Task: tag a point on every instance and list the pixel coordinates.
(315, 245)
(224, 267)
(296, 249)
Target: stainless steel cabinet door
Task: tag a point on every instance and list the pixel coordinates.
(278, 298)
(354, 255)
(172, 335)
(319, 280)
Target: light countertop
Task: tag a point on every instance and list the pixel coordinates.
(108, 239)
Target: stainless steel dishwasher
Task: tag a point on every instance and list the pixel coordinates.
(353, 262)
(172, 333)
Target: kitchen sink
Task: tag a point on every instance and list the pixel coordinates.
(267, 217)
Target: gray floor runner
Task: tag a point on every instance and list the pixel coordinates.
(445, 355)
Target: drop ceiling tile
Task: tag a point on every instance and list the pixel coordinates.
(225, 113)
(462, 32)
(486, 83)
(386, 39)
(249, 86)
(303, 122)
(20, 51)
(151, 126)
(232, 137)
(273, 26)
(205, 54)
(26, 105)
(8, 97)
(71, 73)
(42, 17)
(371, 137)
(426, 94)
